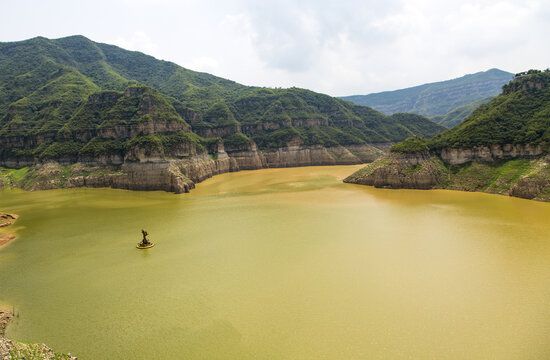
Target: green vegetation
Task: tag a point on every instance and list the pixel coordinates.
(528, 178)
(98, 146)
(438, 98)
(236, 140)
(520, 115)
(71, 97)
(456, 116)
(21, 350)
(411, 145)
(11, 177)
(495, 177)
(170, 142)
(61, 149)
(220, 115)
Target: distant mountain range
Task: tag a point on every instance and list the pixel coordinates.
(438, 100)
(519, 115)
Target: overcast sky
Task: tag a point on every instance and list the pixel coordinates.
(335, 47)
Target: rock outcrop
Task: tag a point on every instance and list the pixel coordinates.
(507, 170)
(150, 169)
(6, 220)
(12, 350)
(456, 156)
(401, 171)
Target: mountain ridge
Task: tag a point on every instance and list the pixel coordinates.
(503, 147)
(437, 98)
(73, 100)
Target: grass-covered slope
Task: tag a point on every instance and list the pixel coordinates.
(456, 116)
(525, 178)
(502, 147)
(438, 98)
(520, 115)
(59, 97)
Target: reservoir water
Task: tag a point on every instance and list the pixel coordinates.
(280, 264)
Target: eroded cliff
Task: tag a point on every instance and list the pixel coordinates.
(524, 175)
(148, 169)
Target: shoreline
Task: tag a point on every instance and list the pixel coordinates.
(10, 349)
(6, 221)
(520, 177)
(5, 318)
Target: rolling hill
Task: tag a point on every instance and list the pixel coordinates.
(72, 100)
(502, 147)
(47, 87)
(439, 98)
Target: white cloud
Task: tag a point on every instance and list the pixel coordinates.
(138, 41)
(203, 64)
(340, 48)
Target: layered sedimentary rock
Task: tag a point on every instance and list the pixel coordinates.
(299, 155)
(507, 170)
(401, 171)
(146, 169)
(455, 156)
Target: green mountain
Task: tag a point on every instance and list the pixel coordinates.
(502, 148)
(520, 115)
(439, 98)
(71, 97)
(456, 116)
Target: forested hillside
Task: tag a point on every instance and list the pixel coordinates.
(446, 102)
(71, 97)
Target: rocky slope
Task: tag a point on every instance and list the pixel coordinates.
(525, 177)
(6, 222)
(149, 170)
(503, 147)
(12, 350)
(78, 113)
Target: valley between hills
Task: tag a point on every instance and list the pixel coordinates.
(75, 113)
(78, 113)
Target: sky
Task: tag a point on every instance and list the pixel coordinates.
(344, 47)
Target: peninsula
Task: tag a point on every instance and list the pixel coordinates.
(502, 148)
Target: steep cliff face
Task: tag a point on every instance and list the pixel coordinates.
(300, 155)
(402, 171)
(456, 156)
(502, 147)
(144, 168)
(78, 113)
(522, 176)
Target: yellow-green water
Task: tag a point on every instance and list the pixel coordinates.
(280, 264)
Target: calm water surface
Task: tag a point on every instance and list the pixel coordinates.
(280, 264)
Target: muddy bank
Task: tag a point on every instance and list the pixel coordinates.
(6, 220)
